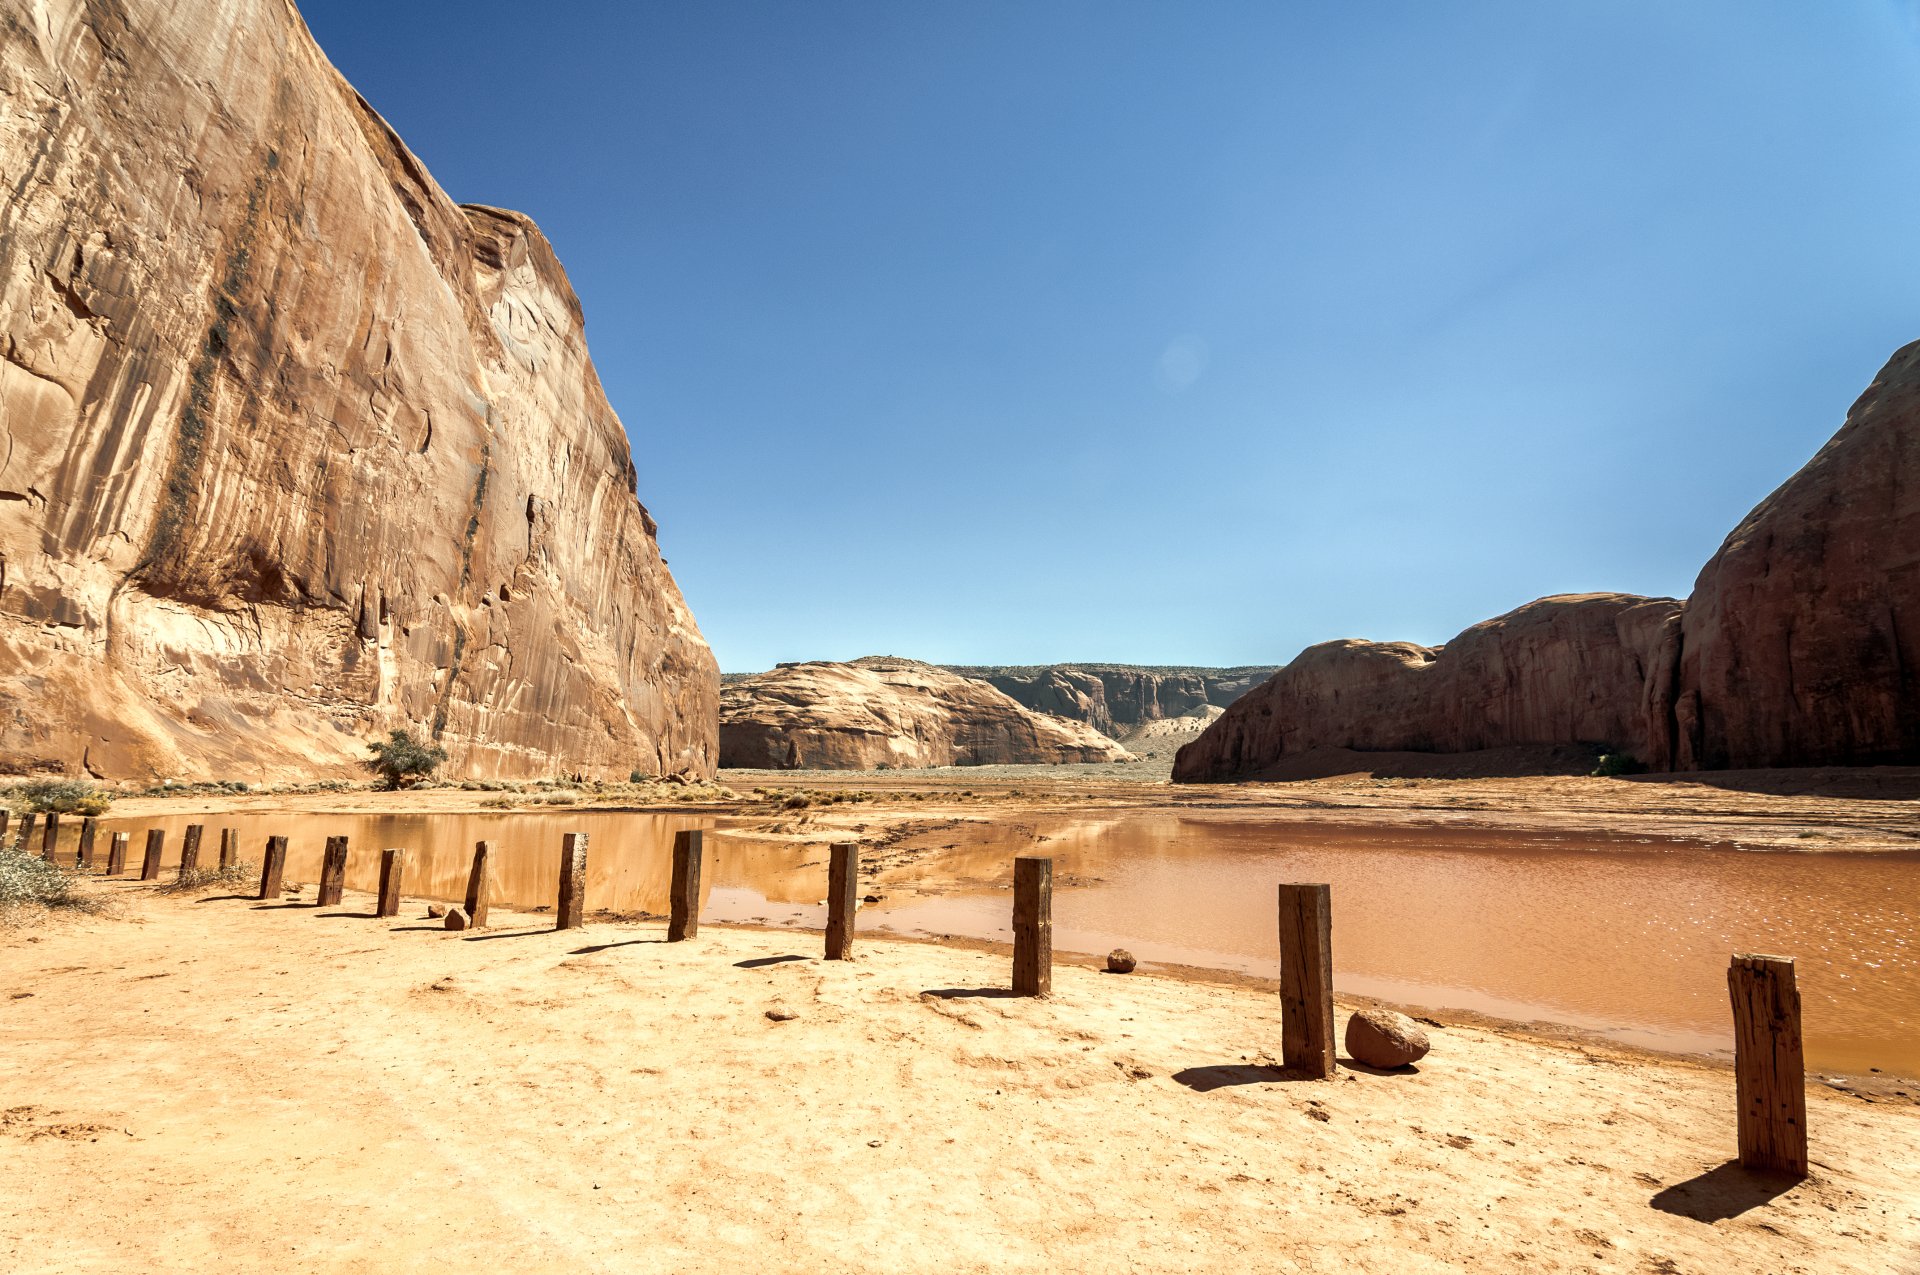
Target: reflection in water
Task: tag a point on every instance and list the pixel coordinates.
(1626, 936)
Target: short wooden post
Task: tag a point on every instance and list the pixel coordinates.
(6, 817)
(117, 854)
(573, 881)
(479, 885)
(26, 831)
(83, 856)
(190, 851)
(1769, 1070)
(51, 837)
(273, 867)
(393, 866)
(229, 848)
(150, 865)
(683, 901)
(1032, 926)
(333, 873)
(843, 884)
(1306, 980)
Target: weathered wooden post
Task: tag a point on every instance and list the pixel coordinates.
(843, 884)
(683, 902)
(273, 867)
(479, 885)
(1032, 926)
(51, 837)
(190, 851)
(83, 856)
(6, 817)
(26, 832)
(117, 854)
(1306, 980)
(573, 881)
(1769, 1070)
(150, 865)
(229, 847)
(333, 873)
(393, 866)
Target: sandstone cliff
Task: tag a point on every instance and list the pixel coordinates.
(1116, 698)
(884, 713)
(296, 449)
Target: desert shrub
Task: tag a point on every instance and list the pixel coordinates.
(58, 796)
(234, 877)
(1611, 764)
(27, 878)
(799, 801)
(561, 798)
(401, 760)
(496, 803)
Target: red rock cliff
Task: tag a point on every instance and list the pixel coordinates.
(295, 448)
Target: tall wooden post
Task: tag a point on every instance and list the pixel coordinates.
(150, 865)
(1769, 1070)
(333, 873)
(479, 885)
(843, 884)
(229, 848)
(683, 902)
(1306, 980)
(117, 854)
(273, 867)
(51, 837)
(83, 856)
(26, 831)
(190, 850)
(393, 866)
(573, 881)
(1032, 926)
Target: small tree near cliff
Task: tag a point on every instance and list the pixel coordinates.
(401, 759)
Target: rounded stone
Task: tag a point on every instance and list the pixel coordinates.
(456, 919)
(1381, 1038)
(1120, 961)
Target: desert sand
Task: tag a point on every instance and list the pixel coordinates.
(209, 1083)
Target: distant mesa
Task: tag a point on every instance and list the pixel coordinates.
(1800, 646)
(1116, 698)
(885, 713)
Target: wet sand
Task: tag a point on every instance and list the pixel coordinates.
(215, 1084)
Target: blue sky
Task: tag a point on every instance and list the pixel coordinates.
(1010, 331)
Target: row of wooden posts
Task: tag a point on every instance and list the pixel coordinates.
(1769, 1067)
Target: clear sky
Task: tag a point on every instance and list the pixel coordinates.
(1020, 331)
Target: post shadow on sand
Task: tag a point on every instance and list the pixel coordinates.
(1224, 1075)
(1728, 1190)
(761, 962)
(961, 993)
(601, 947)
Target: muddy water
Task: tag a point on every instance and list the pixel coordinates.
(1625, 937)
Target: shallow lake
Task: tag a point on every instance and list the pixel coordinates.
(1627, 937)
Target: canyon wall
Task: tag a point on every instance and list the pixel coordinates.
(1117, 698)
(296, 449)
(882, 713)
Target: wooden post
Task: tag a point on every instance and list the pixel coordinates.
(190, 850)
(843, 884)
(393, 866)
(26, 831)
(1306, 980)
(51, 837)
(683, 901)
(83, 857)
(6, 817)
(150, 865)
(1032, 926)
(117, 854)
(229, 847)
(573, 881)
(333, 873)
(479, 885)
(1768, 1068)
(272, 867)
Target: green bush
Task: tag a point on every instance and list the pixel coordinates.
(401, 759)
(58, 796)
(27, 878)
(1611, 764)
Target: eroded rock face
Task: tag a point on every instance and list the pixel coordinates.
(296, 449)
(884, 713)
(1801, 644)
(1564, 669)
(1116, 698)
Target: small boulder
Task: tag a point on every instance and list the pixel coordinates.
(456, 919)
(1120, 961)
(1384, 1039)
(781, 1014)
(435, 911)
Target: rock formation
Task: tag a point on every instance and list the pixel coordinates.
(885, 713)
(1115, 698)
(1799, 646)
(296, 449)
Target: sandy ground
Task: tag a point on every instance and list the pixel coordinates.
(196, 1085)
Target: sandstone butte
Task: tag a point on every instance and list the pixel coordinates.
(297, 449)
(1799, 646)
(1117, 698)
(884, 713)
